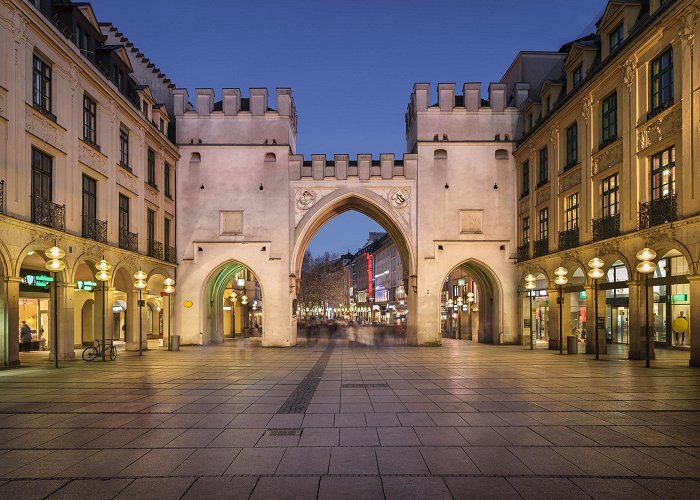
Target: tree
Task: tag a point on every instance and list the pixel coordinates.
(323, 280)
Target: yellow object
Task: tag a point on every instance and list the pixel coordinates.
(679, 324)
(188, 303)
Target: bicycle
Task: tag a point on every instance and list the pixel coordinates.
(92, 352)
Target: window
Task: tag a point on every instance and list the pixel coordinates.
(81, 40)
(662, 81)
(663, 173)
(544, 166)
(577, 75)
(123, 147)
(89, 120)
(526, 178)
(548, 102)
(151, 226)
(571, 211)
(42, 173)
(544, 224)
(151, 180)
(610, 196)
(144, 108)
(571, 146)
(166, 236)
(609, 115)
(526, 230)
(166, 179)
(123, 214)
(162, 125)
(529, 121)
(41, 85)
(118, 77)
(89, 204)
(616, 38)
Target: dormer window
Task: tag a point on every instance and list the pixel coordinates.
(577, 75)
(548, 105)
(616, 37)
(144, 108)
(162, 125)
(529, 121)
(82, 40)
(118, 77)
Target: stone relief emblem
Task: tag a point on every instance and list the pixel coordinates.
(398, 198)
(662, 127)
(629, 67)
(611, 156)
(306, 199)
(45, 130)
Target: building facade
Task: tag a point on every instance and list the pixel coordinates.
(608, 165)
(86, 164)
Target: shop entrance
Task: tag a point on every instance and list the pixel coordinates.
(618, 326)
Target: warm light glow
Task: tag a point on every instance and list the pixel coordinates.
(450, 303)
(560, 271)
(460, 301)
(103, 275)
(169, 289)
(55, 265)
(530, 285)
(55, 253)
(233, 297)
(646, 254)
(646, 267)
(530, 277)
(596, 263)
(169, 282)
(561, 280)
(140, 275)
(244, 300)
(140, 284)
(596, 273)
(103, 265)
(31, 253)
(240, 282)
(470, 297)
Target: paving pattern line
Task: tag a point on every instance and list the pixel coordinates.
(298, 401)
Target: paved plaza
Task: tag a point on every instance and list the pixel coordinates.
(461, 421)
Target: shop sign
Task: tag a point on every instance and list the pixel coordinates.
(37, 280)
(679, 297)
(582, 295)
(117, 309)
(601, 322)
(88, 286)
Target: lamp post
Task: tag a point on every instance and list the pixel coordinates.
(470, 302)
(530, 286)
(233, 298)
(646, 267)
(561, 280)
(244, 302)
(140, 284)
(169, 289)
(104, 276)
(596, 272)
(55, 265)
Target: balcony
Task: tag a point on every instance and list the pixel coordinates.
(94, 229)
(541, 247)
(2, 197)
(656, 212)
(170, 255)
(568, 239)
(522, 253)
(128, 241)
(155, 249)
(606, 227)
(48, 213)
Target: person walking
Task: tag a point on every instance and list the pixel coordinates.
(25, 334)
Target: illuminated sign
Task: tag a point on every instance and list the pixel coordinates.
(37, 280)
(679, 297)
(88, 286)
(370, 291)
(582, 295)
(117, 309)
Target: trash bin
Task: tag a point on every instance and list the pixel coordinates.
(175, 343)
(571, 344)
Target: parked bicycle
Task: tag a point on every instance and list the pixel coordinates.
(92, 352)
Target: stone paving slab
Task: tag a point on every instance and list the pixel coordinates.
(461, 421)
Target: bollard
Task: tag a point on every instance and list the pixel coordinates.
(571, 344)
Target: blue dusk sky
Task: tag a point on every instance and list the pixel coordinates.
(351, 64)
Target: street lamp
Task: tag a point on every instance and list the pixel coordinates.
(470, 302)
(169, 289)
(530, 286)
(104, 276)
(140, 284)
(596, 272)
(561, 280)
(244, 301)
(646, 267)
(233, 298)
(55, 265)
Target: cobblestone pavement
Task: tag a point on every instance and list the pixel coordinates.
(460, 421)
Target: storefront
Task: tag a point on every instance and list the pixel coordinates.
(34, 308)
(617, 304)
(578, 313)
(671, 300)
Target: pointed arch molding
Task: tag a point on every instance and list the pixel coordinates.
(396, 220)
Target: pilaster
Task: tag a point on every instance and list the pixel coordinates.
(694, 319)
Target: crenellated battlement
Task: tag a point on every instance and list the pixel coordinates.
(465, 116)
(234, 119)
(364, 167)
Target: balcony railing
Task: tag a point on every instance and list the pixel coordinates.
(128, 241)
(606, 227)
(2, 197)
(48, 213)
(522, 253)
(170, 255)
(655, 212)
(155, 249)
(94, 229)
(541, 247)
(568, 239)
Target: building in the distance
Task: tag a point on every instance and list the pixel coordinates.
(87, 164)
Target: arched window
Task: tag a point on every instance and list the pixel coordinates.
(440, 154)
(270, 158)
(195, 160)
(501, 154)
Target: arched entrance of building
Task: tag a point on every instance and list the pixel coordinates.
(234, 306)
(471, 304)
(377, 289)
(671, 291)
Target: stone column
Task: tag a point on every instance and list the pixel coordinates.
(637, 347)
(694, 320)
(166, 318)
(566, 323)
(66, 322)
(553, 318)
(103, 312)
(132, 322)
(10, 343)
(591, 320)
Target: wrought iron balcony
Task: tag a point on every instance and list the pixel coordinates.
(170, 255)
(2, 197)
(94, 229)
(606, 227)
(541, 247)
(128, 241)
(568, 239)
(48, 213)
(660, 211)
(522, 253)
(155, 249)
